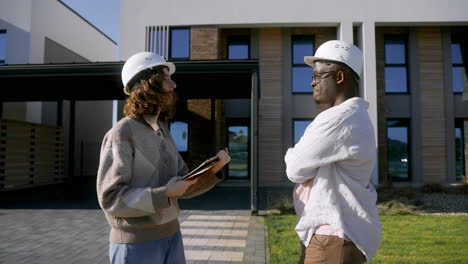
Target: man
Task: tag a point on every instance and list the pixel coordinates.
(137, 182)
(335, 202)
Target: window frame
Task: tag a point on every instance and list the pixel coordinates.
(293, 127)
(455, 40)
(304, 38)
(4, 31)
(238, 39)
(407, 123)
(403, 37)
(170, 43)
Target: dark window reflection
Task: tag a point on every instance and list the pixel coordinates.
(398, 150)
(179, 131)
(456, 53)
(301, 72)
(459, 150)
(238, 145)
(180, 43)
(301, 79)
(238, 47)
(395, 51)
(299, 128)
(459, 79)
(396, 73)
(395, 80)
(302, 48)
(2, 46)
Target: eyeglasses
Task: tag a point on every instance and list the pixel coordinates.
(317, 77)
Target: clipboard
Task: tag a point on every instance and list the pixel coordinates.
(205, 166)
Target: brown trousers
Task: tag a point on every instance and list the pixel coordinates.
(331, 250)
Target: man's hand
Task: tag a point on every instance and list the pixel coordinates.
(175, 187)
(224, 159)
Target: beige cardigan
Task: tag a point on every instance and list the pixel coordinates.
(136, 163)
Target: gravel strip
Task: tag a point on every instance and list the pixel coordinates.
(446, 204)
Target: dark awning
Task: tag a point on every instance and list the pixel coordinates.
(101, 80)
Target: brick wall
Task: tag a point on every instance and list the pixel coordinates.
(204, 43)
(271, 165)
(431, 85)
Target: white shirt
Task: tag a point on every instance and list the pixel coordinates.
(338, 151)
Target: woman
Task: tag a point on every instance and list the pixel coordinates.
(138, 178)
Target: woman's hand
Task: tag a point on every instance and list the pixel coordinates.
(224, 159)
(175, 187)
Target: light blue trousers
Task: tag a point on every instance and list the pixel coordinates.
(168, 250)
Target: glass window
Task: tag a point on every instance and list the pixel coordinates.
(299, 127)
(238, 47)
(398, 152)
(301, 79)
(459, 150)
(456, 53)
(180, 43)
(395, 79)
(396, 65)
(2, 46)
(179, 131)
(238, 144)
(459, 79)
(301, 72)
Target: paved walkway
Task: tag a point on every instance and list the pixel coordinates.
(33, 233)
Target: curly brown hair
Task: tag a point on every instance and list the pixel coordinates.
(148, 99)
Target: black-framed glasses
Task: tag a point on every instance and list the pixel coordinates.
(317, 77)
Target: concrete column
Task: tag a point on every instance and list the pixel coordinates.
(415, 129)
(345, 31)
(117, 110)
(254, 43)
(34, 112)
(369, 80)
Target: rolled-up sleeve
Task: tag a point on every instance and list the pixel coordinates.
(115, 195)
(324, 142)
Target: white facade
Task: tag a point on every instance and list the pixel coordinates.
(262, 13)
(28, 23)
(47, 31)
(346, 16)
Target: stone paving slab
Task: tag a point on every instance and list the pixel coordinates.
(81, 236)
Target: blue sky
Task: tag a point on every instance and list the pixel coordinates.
(103, 14)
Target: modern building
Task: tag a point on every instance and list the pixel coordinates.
(42, 35)
(414, 76)
(242, 82)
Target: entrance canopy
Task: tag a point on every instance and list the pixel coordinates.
(102, 81)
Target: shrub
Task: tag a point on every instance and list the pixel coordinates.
(432, 188)
(285, 206)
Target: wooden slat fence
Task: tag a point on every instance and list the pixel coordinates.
(30, 155)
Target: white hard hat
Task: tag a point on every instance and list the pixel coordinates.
(340, 51)
(139, 62)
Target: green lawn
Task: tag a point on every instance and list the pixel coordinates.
(405, 239)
